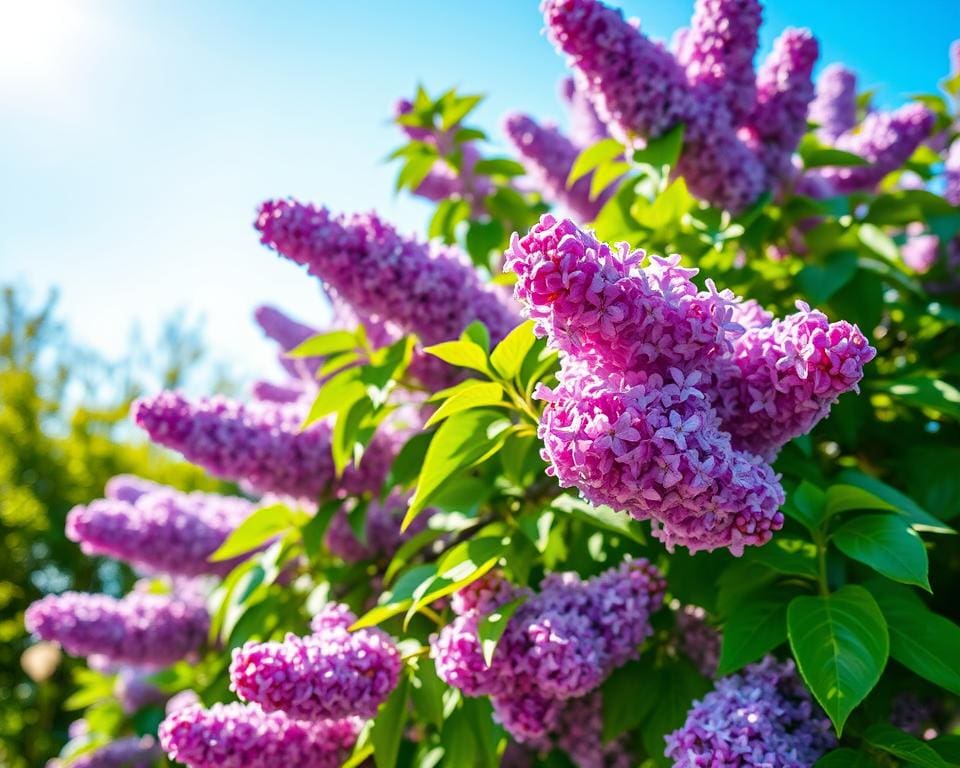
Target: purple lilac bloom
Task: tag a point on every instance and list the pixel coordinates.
(430, 291)
(559, 644)
(915, 715)
(834, 108)
(586, 127)
(291, 391)
(163, 530)
(718, 49)
(952, 172)
(762, 716)
(886, 140)
(382, 535)
(134, 689)
(920, 252)
(129, 752)
(782, 378)
(579, 730)
(129, 487)
(287, 332)
(784, 92)
(333, 673)
(259, 443)
(244, 736)
(548, 156)
(141, 629)
(698, 640)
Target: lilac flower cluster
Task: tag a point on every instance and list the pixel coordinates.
(129, 752)
(244, 736)
(641, 90)
(382, 535)
(430, 291)
(161, 529)
(559, 644)
(886, 140)
(666, 405)
(920, 252)
(951, 169)
(288, 334)
(142, 629)
(834, 108)
(129, 488)
(548, 156)
(261, 444)
(586, 127)
(135, 690)
(763, 716)
(698, 640)
(332, 673)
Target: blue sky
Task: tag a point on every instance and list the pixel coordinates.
(137, 138)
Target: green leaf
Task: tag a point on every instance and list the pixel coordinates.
(841, 645)
(482, 238)
(414, 170)
(662, 151)
(844, 498)
(399, 597)
(807, 505)
(463, 353)
(821, 281)
(325, 344)
(678, 685)
(923, 641)
(623, 710)
(876, 240)
(601, 517)
(888, 545)
(817, 155)
(845, 758)
(260, 527)
(462, 440)
(918, 517)
(406, 466)
(498, 166)
(491, 627)
(426, 692)
(605, 176)
(457, 108)
(479, 394)
(926, 392)
(449, 213)
(668, 207)
(899, 744)
(313, 531)
(592, 157)
(754, 627)
(508, 355)
(388, 729)
(340, 390)
(793, 557)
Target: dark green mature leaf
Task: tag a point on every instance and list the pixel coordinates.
(923, 641)
(601, 517)
(623, 710)
(887, 544)
(841, 646)
(406, 466)
(662, 151)
(498, 166)
(926, 392)
(508, 355)
(491, 627)
(388, 728)
(483, 237)
(916, 515)
(899, 744)
(879, 242)
(821, 281)
(845, 758)
(844, 498)
(807, 505)
(754, 627)
(477, 395)
(426, 691)
(462, 440)
(678, 684)
(592, 157)
(817, 155)
(793, 557)
(260, 527)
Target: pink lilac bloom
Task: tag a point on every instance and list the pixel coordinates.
(129, 487)
(782, 378)
(951, 168)
(834, 108)
(549, 156)
(762, 716)
(560, 643)
(182, 699)
(784, 92)
(431, 291)
(920, 252)
(586, 127)
(244, 736)
(381, 530)
(718, 49)
(163, 530)
(886, 140)
(135, 689)
(141, 629)
(259, 443)
(333, 673)
(129, 752)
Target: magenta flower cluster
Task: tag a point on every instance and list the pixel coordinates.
(559, 644)
(128, 752)
(586, 127)
(834, 108)
(141, 629)
(762, 716)
(244, 736)
(430, 291)
(161, 529)
(740, 130)
(666, 405)
(332, 673)
(260, 444)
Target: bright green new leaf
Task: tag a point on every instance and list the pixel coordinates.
(662, 151)
(462, 353)
(476, 395)
(325, 344)
(879, 242)
(256, 530)
(491, 627)
(887, 544)
(592, 157)
(926, 392)
(388, 728)
(508, 355)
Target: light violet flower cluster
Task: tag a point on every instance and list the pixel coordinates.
(244, 736)
(951, 168)
(920, 252)
(739, 131)
(834, 108)
(548, 156)
(430, 291)
(162, 529)
(559, 644)
(129, 488)
(381, 530)
(699, 641)
(586, 127)
(141, 629)
(129, 752)
(288, 334)
(763, 716)
(670, 398)
(260, 444)
(135, 689)
(332, 673)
